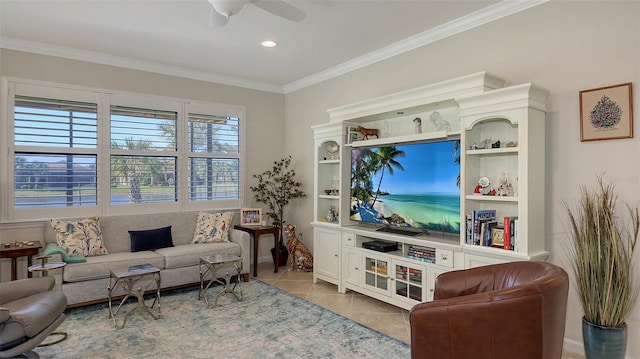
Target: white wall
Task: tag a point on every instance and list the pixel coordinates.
(264, 112)
(561, 45)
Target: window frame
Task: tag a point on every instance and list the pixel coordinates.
(104, 98)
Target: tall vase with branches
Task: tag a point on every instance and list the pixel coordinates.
(602, 245)
(276, 188)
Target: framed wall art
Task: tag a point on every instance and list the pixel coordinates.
(250, 216)
(606, 113)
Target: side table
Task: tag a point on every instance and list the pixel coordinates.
(19, 249)
(211, 265)
(255, 231)
(127, 279)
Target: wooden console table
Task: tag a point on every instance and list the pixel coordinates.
(256, 231)
(14, 252)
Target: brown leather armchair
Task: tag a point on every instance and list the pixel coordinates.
(502, 311)
(30, 310)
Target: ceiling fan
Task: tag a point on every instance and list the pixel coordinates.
(222, 10)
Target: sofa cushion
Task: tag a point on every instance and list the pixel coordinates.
(212, 227)
(150, 239)
(80, 237)
(190, 254)
(99, 267)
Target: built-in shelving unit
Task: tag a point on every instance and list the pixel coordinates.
(478, 112)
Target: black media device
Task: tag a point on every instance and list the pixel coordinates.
(380, 246)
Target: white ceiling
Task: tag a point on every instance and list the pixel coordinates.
(174, 36)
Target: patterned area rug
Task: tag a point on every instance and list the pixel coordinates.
(268, 323)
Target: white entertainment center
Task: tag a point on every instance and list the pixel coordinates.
(476, 110)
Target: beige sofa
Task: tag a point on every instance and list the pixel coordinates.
(86, 283)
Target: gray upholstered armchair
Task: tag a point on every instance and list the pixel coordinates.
(30, 310)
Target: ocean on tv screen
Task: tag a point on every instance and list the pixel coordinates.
(412, 186)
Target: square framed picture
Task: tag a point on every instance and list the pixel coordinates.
(250, 216)
(497, 237)
(606, 113)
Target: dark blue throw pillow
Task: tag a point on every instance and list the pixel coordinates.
(151, 239)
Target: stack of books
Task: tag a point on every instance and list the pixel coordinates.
(421, 253)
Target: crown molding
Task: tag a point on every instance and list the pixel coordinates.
(111, 60)
(461, 24)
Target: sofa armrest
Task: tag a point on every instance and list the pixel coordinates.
(21, 288)
(244, 240)
(55, 257)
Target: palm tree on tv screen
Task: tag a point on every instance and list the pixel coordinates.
(385, 159)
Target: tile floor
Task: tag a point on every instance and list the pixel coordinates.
(375, 314)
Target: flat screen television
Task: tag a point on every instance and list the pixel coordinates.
(412, 188)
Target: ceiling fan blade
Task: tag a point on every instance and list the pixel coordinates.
(217, 19)
(280, 8)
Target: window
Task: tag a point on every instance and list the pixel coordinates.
(141, 171)
(97, 152)
(47, 172)
(214, 166)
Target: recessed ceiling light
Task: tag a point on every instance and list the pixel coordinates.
(269, 43)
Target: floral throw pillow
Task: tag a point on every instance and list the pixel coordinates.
(212, 227)
(81, 237)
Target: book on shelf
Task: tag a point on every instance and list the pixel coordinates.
(421, 253)
(509, 233)
(477, 218)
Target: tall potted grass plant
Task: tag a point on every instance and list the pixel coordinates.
(602, 244)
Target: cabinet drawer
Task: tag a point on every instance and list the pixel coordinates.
(349, 239)
(444, 258)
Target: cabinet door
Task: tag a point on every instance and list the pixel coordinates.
(434, 272)
(352, 265)
(376, 273)
(409, 281)
(326, 248)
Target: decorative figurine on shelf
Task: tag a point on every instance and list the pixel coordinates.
(368, 132)
(496, 144)
(492, 192)
(332, 149)
(332, 215)
(474, 146)
(486, 143)
(438, 122)
(483, 186)
(417, 123)
(504, 188)
(300, 259)
(512, 144)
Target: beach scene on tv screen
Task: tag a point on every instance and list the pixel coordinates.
(412, 186)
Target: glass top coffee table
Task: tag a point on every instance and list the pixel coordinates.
(212, 265)
(134, 280)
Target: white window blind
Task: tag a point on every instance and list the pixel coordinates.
(48, 169)
(141, 171)
(214, 163)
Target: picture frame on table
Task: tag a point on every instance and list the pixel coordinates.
(250, 216)
(606, 113)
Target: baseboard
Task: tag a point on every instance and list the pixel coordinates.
(573, 346)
